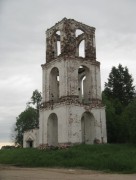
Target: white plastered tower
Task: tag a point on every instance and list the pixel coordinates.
(72, 111)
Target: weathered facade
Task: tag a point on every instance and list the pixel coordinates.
(71, 111)
(31, 138)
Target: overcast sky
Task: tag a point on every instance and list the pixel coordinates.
(22, 45)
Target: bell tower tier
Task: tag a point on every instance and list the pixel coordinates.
(65, 37)
(71, 111)
(71, 77)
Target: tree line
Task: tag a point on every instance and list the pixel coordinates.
(120, 101)
(119, 98)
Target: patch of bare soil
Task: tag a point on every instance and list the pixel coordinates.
(16, 173)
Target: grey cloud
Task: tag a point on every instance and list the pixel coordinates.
(22, 43)
(6, 129)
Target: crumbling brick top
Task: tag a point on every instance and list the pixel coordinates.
(65, 33)
(73, 22)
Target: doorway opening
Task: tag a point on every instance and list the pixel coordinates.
(88, 128)
(52, 130)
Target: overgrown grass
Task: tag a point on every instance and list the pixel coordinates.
(109, 158)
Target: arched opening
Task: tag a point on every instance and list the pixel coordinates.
(80, 40)
(54, 85)
(87, 128)
(78, 32)
(29, 143)
(82, 49)
(58, 43)
(52, 130)
(58, 48)
(83, 84)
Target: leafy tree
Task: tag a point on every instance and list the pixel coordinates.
(118, 94)
(36, 99)
(28, 119)
(120, 85)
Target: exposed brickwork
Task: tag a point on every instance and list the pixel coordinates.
(68, 40)
(71, 111)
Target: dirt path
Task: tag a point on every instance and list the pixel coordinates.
(13, 173)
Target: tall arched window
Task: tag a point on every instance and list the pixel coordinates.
(54, 85)
(58, 43)
(52, 130)
(88, 128)
(82, 49)
(83, 84)
(80, 35)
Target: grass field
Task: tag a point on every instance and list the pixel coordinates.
(109, 158)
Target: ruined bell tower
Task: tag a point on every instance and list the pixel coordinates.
(72, 111)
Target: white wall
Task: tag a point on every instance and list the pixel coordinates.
(69, 123)
(31, 135)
